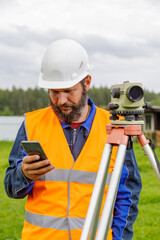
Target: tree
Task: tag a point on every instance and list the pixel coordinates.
(6, 112)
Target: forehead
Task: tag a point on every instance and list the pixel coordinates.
(75, 87)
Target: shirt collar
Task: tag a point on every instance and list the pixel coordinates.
(88, 123)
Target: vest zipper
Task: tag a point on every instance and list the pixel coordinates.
(69, 177)
(69, 200)
(74, 135)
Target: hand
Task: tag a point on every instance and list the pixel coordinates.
(33, 169)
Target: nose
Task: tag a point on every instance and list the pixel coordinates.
(61, 98)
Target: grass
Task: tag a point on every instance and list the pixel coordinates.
(147, 225)
(11, 210)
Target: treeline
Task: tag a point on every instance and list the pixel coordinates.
(18, 101)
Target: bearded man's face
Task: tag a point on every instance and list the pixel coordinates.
(69, 104)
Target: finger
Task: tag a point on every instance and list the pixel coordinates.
(41, 171)
(39, 164)
(30, 159)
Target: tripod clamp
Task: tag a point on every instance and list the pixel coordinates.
(135, 130)
(153, 146)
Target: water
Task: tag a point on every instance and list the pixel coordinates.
(9, 126)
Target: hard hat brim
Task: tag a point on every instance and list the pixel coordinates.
(58, 84)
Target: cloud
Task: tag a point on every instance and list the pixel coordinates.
(23, 37)
(115, 47)
(22, 48)
(4, 3)
(121, 37)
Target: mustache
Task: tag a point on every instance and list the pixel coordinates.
(64, 105)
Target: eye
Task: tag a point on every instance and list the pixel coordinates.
(68, 91)
(53, 92)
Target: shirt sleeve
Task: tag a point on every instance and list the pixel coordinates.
(126, 205)
(16, 184)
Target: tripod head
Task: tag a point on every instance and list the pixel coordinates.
(127, 100)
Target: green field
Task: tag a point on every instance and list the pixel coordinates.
(147, 226)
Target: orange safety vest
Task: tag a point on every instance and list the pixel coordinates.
(57, 205)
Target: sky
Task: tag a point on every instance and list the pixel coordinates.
(122, 38)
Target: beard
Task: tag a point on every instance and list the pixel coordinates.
(77, 109)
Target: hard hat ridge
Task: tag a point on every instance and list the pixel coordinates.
(64, 64)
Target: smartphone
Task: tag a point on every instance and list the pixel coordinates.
(34, 148)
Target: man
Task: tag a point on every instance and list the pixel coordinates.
(72, 132)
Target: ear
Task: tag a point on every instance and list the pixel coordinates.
(87, 82)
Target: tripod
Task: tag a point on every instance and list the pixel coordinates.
(119, 134)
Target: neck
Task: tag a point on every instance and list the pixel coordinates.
(84, 114)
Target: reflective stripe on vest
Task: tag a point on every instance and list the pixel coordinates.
(54, 222)
(76, 176)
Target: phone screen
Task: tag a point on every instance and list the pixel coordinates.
(34, 148)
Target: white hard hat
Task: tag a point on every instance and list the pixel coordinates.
(64, 64)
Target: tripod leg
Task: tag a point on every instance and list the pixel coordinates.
(150, 155)
(111, 195)
(92, 217)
